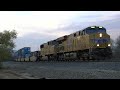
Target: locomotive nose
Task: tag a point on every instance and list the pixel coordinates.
(103, 40)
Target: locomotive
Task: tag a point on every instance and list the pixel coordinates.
(90, 43)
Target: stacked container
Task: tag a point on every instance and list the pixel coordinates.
(23, 54)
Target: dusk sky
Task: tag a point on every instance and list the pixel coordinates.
(37, 27)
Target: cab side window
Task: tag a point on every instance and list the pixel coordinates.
(48, 43)
(79, 33)
(83, 32)
(42, 46)
(75, 35)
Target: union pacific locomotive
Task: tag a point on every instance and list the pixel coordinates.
(90, 43)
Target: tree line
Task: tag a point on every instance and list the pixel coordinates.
(7, 44)
(116, 47)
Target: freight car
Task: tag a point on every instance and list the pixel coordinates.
(26, 55)
(90, 43)
(35, 56)
(22, 54)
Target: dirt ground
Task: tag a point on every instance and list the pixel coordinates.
(60, 70)
(9, 74)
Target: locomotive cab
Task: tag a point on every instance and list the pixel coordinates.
(98, 37)
(99, 41)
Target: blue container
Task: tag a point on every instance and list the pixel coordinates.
(27, 55)
(25, 51)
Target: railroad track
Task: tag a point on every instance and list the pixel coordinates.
(107, 60)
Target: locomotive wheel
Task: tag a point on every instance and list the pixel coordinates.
(99, 58)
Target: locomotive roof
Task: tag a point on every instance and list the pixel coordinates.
(95, 27)
(61, 38)
(87, 28)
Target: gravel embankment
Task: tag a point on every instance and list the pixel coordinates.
(66, 70)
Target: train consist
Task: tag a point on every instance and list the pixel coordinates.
(25, 54)
(90, 43)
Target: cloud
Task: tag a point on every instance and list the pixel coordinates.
(22, 21)
(33, 40)
(37, 27)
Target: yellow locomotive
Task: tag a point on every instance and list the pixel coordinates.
(90, 43)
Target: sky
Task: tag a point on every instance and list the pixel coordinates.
(37, 27)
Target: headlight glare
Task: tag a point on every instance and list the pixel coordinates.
(100, 34)
(109, 45)
(98, 45)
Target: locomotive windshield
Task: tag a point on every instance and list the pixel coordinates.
(95, 30)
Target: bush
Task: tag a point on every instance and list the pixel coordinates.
(116, 50)
(6, 45)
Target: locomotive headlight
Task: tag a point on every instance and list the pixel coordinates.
(100, 27)
(92, 27)
(98, 45)
(109, 45)
(100, 34)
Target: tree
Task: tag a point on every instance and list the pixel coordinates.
(7, 44)
(113, 44)
(117, 47)
(113, 47)
(118, 42)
